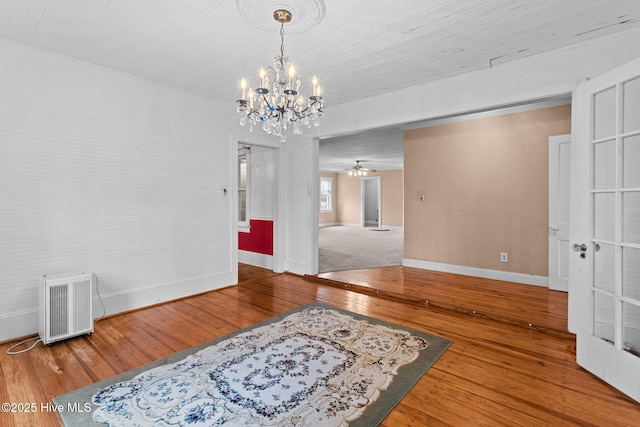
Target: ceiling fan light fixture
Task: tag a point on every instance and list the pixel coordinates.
(359, 170)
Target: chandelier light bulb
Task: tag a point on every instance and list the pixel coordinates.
(251, 96)
(243, 85)
(262, 73)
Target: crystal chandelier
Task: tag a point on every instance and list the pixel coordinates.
(277, 104)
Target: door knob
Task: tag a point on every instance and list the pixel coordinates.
(579, 248)
(552, 229)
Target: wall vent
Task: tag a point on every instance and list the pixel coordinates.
(66, 306)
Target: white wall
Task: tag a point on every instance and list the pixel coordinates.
(106, 173)
(302, 204)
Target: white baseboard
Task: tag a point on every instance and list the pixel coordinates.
(392, 227)
(19, 324)
(25, 323)
(299, 268)
(255, 259)
(347, 224)
(526, 279)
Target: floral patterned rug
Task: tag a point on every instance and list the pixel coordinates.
(313, 366)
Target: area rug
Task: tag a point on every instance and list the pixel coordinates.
(316, 365)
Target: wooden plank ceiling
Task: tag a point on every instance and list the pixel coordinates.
(361, 48)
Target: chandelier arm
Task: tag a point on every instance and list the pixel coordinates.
(291, 103)
(266, 101)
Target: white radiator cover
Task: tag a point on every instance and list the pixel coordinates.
(66, 307)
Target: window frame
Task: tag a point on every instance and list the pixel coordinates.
(244, 154)
(328, 194)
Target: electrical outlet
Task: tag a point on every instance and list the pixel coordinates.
(504, 257)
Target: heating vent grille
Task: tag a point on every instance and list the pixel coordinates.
(66, 306)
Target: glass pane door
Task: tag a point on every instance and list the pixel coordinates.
(604, 280)
(615, 215)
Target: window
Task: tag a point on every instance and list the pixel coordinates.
(325, 194)
(243, 187)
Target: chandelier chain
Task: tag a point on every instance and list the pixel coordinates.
(282, 40)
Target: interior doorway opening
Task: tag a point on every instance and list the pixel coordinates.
(371, 201)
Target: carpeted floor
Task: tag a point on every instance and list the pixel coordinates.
(352, 248)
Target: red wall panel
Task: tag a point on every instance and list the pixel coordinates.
(259, 239)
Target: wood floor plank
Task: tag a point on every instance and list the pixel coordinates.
(497, 372)
(6, 417)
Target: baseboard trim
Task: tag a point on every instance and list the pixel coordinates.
(328, 224)
(346, 224)
(255, 259)
(507, 276)
(25, 323)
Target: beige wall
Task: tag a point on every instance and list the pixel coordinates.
(485, 183)
(348, 203)
(392, 197)
(330, 217)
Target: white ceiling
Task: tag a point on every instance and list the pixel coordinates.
(361, 48)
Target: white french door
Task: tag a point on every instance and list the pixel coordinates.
(604, 287)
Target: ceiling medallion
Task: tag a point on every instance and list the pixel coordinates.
(308, 13)
(276, 103)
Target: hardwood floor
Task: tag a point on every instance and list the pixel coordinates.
(498, 371)
(533, 307)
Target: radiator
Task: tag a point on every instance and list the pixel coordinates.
(66, 307)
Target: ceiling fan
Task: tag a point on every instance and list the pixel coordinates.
(358, 170)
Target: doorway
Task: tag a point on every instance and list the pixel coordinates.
(371, 201)
(257, 208)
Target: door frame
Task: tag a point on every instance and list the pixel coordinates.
(277, 262)
(559, 181)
